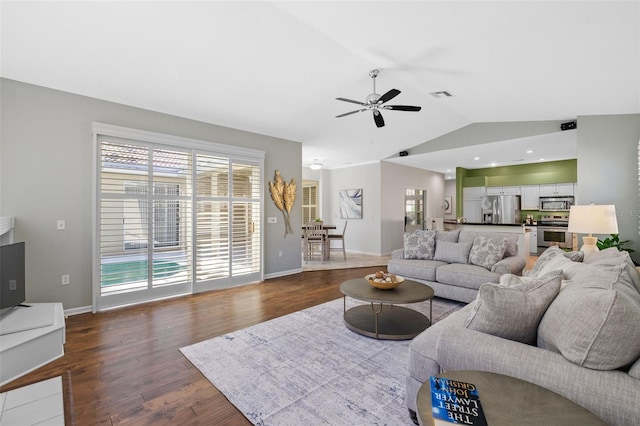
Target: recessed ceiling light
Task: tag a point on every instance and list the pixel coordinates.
(529, 151)
(540, 159)
(449, 171)
(493, 164)
(476, 158)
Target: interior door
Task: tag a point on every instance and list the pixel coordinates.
(415, 201)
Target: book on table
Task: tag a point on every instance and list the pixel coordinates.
(455, 402)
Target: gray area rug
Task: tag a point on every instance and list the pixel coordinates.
(308, 368)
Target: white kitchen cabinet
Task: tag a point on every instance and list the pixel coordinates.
(473, 193)
(529, 197)
(533, 239)
(554, 189)
(503, 190)
(471, 210)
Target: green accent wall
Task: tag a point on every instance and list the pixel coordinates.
(523, 174)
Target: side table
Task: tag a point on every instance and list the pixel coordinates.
(510, 401)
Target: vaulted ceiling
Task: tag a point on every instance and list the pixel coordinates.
(275, 68)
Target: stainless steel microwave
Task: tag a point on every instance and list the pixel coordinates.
(555, 204)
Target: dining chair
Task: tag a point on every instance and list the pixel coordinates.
(315, 237)
(338, 237)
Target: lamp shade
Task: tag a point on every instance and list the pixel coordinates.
(592, 219)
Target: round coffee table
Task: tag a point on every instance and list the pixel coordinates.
(509, 401)
(381, 319)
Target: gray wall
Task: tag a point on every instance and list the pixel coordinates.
(395, 179)
(608, 167)
(380, 230)
(46, 172)
(362, 235)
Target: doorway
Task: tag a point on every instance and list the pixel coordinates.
(415, 204)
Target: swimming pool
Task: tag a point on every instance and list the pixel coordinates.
(137, 270)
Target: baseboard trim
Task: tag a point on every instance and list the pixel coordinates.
(78, 310)
(283, 273)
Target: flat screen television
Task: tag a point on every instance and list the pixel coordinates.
(12, 276)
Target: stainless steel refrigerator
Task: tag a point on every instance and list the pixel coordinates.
(500, 209)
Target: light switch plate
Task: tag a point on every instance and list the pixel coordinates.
(272, 219)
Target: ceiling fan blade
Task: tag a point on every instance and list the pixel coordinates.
(350, 100)
(352, 112)
(388, 96)
(377, 117)
(402, 107)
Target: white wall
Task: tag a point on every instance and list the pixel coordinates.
(608, 169)
(362, 235)
(46, 173)
(450, 190)
(394, 180)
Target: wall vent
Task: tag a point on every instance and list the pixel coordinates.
(441, 94)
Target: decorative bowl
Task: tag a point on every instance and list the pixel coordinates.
(387, 285)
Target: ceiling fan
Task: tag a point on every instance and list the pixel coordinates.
(374, 102)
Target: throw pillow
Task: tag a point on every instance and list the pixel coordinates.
(545, 257)
(594, 321)
(512, 240)
(452, 252)
(450, 236)
(486, 252)
(419, 245)
(513, 308)
(575, 256)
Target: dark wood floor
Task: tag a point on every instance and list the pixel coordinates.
(123, 366)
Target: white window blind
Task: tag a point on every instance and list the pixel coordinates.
(309, 201)
(170, 221)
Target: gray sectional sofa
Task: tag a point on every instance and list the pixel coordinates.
(571, 327)
(456, 263)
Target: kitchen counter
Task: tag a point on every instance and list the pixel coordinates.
(490, 224)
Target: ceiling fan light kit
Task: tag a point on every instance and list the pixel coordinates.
(375, 102)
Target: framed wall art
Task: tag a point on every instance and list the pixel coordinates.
(447, 204)
(351, 203)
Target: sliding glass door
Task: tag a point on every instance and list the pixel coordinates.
(171, 221)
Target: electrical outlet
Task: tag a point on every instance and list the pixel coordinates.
(65, 279)
(280, 253)
(272, 219)
(13, 285)
(61, 225)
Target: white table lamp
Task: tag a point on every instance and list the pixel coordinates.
(592, 219)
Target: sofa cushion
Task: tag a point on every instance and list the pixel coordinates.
(486, 252)
(414, 268)
(512, 239)
(513, 308)
(419, 245)
(634, 371)
(468, 276)
(452, 252)
(450, 236)
(611, 257)
(594, 321)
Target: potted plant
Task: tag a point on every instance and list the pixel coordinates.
(614, 241)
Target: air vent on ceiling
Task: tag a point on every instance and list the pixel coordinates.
(441, 94)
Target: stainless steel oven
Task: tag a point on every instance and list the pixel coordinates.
(554, 236)
(553, 231)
